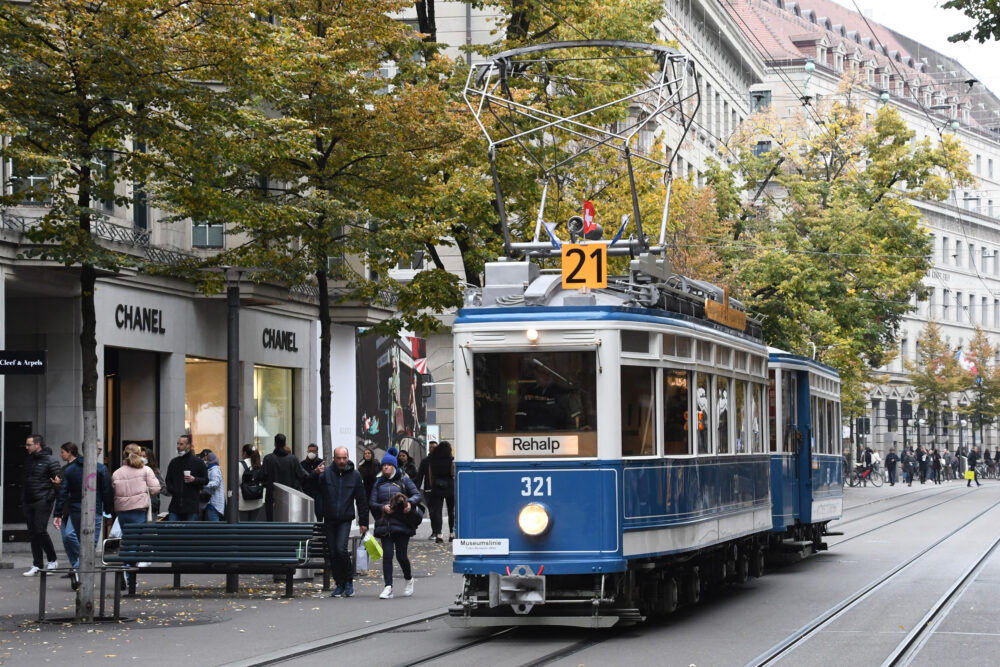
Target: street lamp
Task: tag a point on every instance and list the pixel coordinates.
(920, 424)
(961, 429)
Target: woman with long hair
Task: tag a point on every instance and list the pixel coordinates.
(441, 476)
(250, 508)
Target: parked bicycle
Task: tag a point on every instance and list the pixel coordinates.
(861, 476)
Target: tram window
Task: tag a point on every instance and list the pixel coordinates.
(757, 417)
(789, 387)
(741, 361)
(676, 417)
(722, 410)
(703, 403)
(772, 410)
(635, 341)
(723, 356)
(831, 426)
(669, 345)
(756, 364)
(740, 415)
(638, 411)
(519, 393)
(683, 347)
(813, 424)
(704, 351)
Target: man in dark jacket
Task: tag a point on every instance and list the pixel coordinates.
(890, 465)
(186, 475)
(311, 484)
(280, 467)
(41, 477)
(70, 502)
(973, 459)
(343, 493)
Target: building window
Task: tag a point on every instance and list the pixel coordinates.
(32, 186)
(972, 306)
(761, 148)
(989, 168)
(207, 235)
(979, 165)
(944, 249)
(958, 306)
(760, 100)
(205, 406)
(996, 312)
(972, 256)
(982, 311)
(996, 262)
(930, 303)
(958, 253)
(272, 395)
(945, 295)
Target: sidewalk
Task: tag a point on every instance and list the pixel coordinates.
(202, 625)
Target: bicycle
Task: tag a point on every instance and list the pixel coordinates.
(862, 475)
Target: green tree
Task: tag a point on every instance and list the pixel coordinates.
(836, 260)
(82, 84)
(934, 375)
(980, 381)
(986, 14)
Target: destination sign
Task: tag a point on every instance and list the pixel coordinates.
(537, 445)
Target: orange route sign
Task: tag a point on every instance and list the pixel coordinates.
(584, 265)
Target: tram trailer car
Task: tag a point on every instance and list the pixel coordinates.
(613, 452)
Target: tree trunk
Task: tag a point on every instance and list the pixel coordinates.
(324, 357)
(88, 516)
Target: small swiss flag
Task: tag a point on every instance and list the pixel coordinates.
(589, 217)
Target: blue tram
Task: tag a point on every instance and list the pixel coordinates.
(621, 450)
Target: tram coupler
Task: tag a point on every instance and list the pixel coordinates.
(522, 589)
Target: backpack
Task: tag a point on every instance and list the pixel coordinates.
(252, 483)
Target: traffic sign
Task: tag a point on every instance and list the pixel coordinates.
(584, 265)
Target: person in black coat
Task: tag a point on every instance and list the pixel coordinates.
(891, 460)
(310, 486)
(343, 492)
(185, 489)
(391, 525)
(280, 467)
(441, 475)
(38, 493)
(973, 459)
(407, 465)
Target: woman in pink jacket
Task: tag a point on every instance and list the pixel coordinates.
(133, 484)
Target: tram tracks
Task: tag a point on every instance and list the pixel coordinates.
(840, 523)
(855, 536)
(913, 641)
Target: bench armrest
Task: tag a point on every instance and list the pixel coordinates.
(113, 543)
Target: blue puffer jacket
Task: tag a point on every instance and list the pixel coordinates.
(390, 524)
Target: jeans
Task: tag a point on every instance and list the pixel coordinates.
(131, 516)
(397, 543)
(182, 516)
(71, 541)
(212, 514)
(337, 534)
(37, 516)
(437, 499)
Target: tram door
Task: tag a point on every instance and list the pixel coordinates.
(804, 437)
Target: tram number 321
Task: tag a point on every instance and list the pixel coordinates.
(584, 265)
(536, 486)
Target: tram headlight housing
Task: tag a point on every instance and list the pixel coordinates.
(534, 520)
(531, 335)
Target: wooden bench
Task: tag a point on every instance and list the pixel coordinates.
(204, 547)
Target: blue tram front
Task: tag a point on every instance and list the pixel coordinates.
(612, 452)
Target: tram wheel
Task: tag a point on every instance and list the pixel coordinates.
(757, 562)
(692, 585)
(669, 596)
(742, 569)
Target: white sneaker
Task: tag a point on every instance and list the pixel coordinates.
(53, 564)
(144, 564)
(386, 593)
(32, 572)
(408, 591)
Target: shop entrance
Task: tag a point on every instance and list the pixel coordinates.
(131, 402)
(205, 406)
(14, 456)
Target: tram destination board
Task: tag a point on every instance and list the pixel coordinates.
(22, 362)
(584, 265)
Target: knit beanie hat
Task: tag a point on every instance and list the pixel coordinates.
(392, 451)
(389, 459)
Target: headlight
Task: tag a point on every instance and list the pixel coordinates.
(533, 519)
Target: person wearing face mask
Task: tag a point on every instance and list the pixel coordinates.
(186, 475)
(310, 485)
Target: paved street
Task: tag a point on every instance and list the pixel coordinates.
(882, 528)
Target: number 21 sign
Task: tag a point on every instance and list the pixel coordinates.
(584, 265)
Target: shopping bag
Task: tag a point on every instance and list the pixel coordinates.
(116, 530)
(362, 563)
(373, 547)
(970, 474)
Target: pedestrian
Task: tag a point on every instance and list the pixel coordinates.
(149, 458)
(422, 480)
(441, 471)
(134, 484)
(936, 465)
(250, 507)
(186, 476)
(394, 496)
(406, 464)
(344, 498)
(310, 486)
(69, 502)
(40, 479)
(866, 460)
(908, 461)
(891, 459)
(215, 509)
(280, 467)
(922, 462)
(369, 470)
(973, 459)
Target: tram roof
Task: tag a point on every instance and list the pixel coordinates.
(781, 357)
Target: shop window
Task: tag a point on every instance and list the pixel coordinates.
(272, 395)
(205, 406)
(638, 411)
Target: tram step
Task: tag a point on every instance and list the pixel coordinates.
(832, 532)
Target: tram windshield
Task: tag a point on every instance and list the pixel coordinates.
(535, 404)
